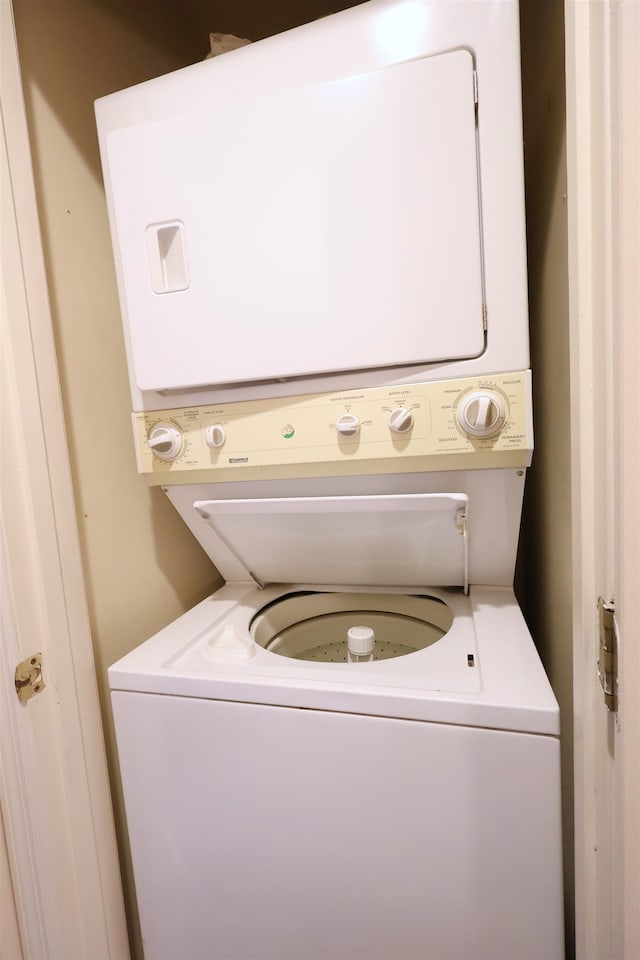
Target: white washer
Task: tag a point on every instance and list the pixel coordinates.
(296, 809)
(291, 810)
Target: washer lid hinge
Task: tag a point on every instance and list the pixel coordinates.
(201, 508)
(608, 652)
(461, 524)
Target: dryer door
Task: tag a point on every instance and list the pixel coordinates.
(299, 233)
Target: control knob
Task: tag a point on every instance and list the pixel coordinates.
(481, 413)
(165, 440)
(400, 420)
(348, 425)
(215, 436)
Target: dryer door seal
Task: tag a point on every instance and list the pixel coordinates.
(411, 540)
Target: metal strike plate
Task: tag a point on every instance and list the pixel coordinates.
(28, 678)
(608, 653)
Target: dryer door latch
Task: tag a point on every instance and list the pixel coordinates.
(608, 652)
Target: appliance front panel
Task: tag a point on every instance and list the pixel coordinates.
(418, 427)
(315, 220)
(309, 835)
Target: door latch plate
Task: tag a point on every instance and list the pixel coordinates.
(28, 678)
(608, 653)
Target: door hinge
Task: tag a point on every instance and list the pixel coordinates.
(28, 678)
(608, 650)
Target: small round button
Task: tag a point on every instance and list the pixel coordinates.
(165, 440)
(215, 436)
(400, 420)
(348, 425)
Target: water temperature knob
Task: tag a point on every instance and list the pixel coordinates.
(400, 420)
(481, 413)
(348, 425)
(165, 440)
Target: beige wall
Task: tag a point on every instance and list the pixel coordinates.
(544, 567)
(257, 19)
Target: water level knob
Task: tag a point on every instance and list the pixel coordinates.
(400, 420)
(165, 440)
(481, 413)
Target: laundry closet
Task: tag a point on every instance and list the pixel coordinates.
(142, 566)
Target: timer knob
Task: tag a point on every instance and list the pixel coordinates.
(348, 425)
(165, 440)
(481, 413)
(215, 436)
(400, 420)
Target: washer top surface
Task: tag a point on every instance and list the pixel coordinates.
(483, 670)
(245, 639)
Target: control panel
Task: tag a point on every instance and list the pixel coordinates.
(475, 423)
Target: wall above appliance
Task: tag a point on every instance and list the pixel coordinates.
(255, 19)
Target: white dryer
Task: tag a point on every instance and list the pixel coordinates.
(350, 751)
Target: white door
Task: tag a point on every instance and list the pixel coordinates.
(603, 159)
(54, 793)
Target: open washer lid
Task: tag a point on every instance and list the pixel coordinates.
(405, 540)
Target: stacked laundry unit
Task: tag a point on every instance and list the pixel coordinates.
(350, 751)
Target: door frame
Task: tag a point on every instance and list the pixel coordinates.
(11, 947)
(626, 96)
(54, 789)
(603, 157)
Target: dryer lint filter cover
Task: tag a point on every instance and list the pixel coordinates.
(228, 643)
